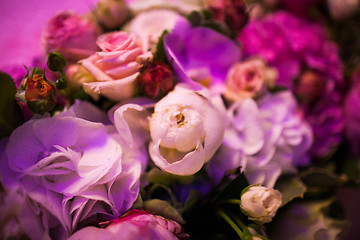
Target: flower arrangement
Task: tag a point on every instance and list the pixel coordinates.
(208, 119)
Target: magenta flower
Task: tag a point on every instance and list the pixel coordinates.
(295, 46)
(291, 44)
(136, 224)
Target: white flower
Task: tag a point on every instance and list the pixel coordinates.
(184, 6)
(186, 130)
(261, 203)
(149, 25)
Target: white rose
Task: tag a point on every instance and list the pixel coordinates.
(186, 130)
(261, 203)
(151, 24)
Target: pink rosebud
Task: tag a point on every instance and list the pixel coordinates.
(246, 79)
(156, 79)
(71, 35)
(136, 224)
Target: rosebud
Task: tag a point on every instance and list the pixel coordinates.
(156, 79)
(56, 61)
(310, 87)
(77, 75)
(111, 13)
(233, 12)
(260, 203)
(40, 94)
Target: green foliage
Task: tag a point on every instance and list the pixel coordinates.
(164, 209)
(160, 53)
(11, 115)
(157, 176)
(291, 187)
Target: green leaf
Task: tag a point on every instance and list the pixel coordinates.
(160, 53)
(192, 200)
(11, 115)
(233, 189)
(278, 88)
(321, 177)
(163, 208)
(157, 176)
(291, 187)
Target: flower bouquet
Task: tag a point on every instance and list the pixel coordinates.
(208, 119)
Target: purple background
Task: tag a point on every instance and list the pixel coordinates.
(21, 22)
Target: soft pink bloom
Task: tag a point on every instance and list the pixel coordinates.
(247, 79)
(71, 35)
(136, 224)
(116, 67)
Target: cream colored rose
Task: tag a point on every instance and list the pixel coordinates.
(186, 130)
(261, 203)
(247, 79)
(116, 67)
(149, 25)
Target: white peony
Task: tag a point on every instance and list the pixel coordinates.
(186, 130)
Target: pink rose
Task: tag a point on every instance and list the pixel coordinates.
(137, 224)
(71, 35)
(246, 79)
(116, 67)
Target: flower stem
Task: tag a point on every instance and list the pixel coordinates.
(231, 223)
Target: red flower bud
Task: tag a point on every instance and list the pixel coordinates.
(311, 86)
(233, 12)
(156, 79)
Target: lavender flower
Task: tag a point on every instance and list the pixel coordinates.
(70, 171)
(200, 55)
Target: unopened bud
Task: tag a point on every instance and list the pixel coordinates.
(156, 79)
(56, 61)
(40, 94)
(61, 83)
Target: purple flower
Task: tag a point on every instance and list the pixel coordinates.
(352, 115)
(291, 44)
(326, 118)
(200, 55)
(70, 171)
(296, 47)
